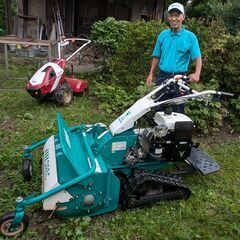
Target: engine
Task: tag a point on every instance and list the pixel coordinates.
(170, 139)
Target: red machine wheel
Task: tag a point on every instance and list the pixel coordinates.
(86, 92)
(5, 223)
(63, 95)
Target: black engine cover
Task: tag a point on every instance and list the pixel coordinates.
(178, 144)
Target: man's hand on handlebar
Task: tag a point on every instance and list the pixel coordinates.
(194, 77)
(149, 80)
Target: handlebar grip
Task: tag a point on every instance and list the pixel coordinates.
(226, 94)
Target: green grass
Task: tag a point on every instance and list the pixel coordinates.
(212, 212)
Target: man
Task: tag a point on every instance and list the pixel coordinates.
(174, 49)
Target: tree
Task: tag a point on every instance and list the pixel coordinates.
(226, 10)
(1, 14)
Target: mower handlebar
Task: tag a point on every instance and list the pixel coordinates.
(195, 95)
(66, 41)
(75, 39)
(180, 80)
(152, 100)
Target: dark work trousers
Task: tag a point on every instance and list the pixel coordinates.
(174, 91)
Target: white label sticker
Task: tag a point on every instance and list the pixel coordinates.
(119, 146)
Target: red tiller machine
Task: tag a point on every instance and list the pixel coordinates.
(50, 81)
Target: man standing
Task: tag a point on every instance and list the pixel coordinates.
(174, 49)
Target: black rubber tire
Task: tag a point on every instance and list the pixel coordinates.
(63, 95)
(86, 92)
(5, 222)
(27, 169)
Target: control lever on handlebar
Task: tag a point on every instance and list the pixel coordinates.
(183, 84)
(182, 77)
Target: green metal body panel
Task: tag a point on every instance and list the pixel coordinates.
(104, 188)
(72, 160)
(113, 149)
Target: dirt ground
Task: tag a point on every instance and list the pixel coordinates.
(226, 134)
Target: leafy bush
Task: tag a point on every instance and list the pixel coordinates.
(133, 54)
(220, 53)
(121, 81)
(200, 9)
(109, 33)
(115, 98)
(131, 63)
(234, 115)
(227, 11)
(205, 113)
(223, 62)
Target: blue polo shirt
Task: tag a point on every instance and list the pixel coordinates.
(175, 50)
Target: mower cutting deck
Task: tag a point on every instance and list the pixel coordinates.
(92, 169)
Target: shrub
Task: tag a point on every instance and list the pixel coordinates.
(131, 63)
(205, 113)
(223, 60)
(234, 114)
(122, 78)
(115, 98)
(109, 33)
(226, 10)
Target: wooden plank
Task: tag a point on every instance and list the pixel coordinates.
(28, 17)
(14, 40)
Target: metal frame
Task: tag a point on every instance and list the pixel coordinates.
(10, 40)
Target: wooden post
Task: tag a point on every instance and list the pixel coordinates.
(6, 61)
